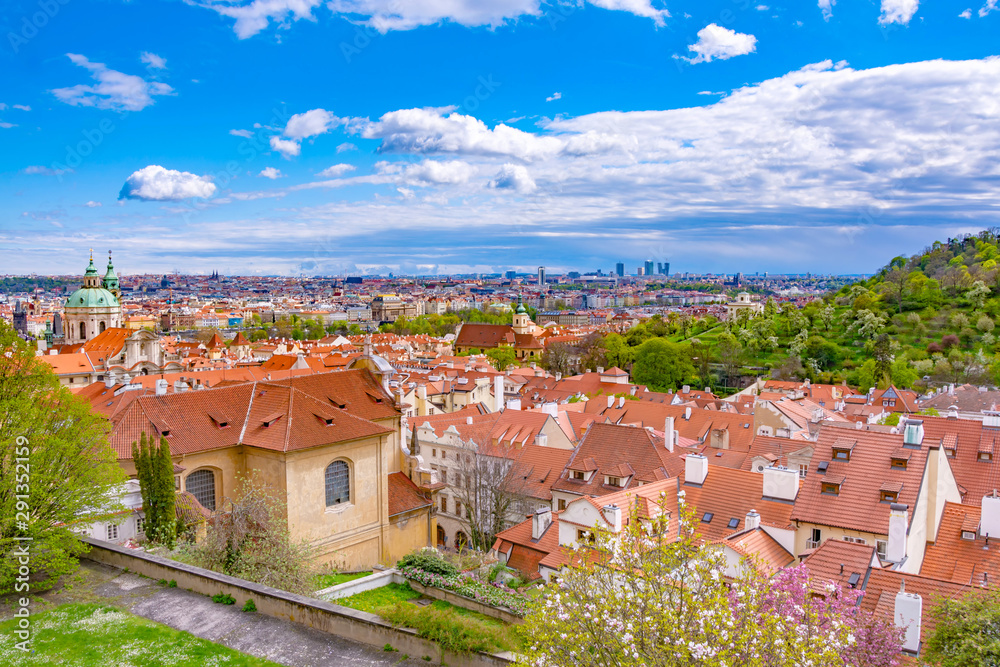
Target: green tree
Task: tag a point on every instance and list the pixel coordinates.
(155, 471)
(502, 357)
(53, 450)
(965, 631)
(731, 356)
(617, 351)
(662, 365)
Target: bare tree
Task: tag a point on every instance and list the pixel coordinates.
(490, 482)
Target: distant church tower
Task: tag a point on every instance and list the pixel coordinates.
(522, 322)
(94, 307)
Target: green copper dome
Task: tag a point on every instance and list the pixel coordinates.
(92, 297)
(110, 278)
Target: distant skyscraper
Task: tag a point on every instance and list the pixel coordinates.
(541, 275)
(640, 271)
(510, 275)
(620, 269)
(649, 267)
(666, 268)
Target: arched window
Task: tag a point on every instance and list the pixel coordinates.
(338, 483)
(201, 484)
(83, 331)
(102, 327)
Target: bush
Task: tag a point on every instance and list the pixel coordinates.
(249, 606)
(949, 341)
(428, 560)
(223, 598)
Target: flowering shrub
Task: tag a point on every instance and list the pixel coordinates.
(495, 595)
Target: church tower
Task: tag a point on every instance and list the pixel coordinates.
(522, 322)
(94, 307)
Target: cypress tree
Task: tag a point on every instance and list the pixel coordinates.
(167, 497)
(140, 457)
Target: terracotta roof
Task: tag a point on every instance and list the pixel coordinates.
(880, 594)
(727, 494)
(404, 495)
(68, 364)
(976, 477)
(763, 549)
(108, 343)
(836, 561)
(959, 560)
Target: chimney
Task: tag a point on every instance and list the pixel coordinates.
(161, 387)
(719, 438)
(621, 402)
(600, 369)
(687, 413)
(558, 376)
(669, 434)
(540, 520)
(695, 469)
(907, 614)
(498, 395)
(468, 420)
(109, 380)
(989, 521)
(686, 389)
(611, 401)
(752, 520)
(551, 409)
(708, 390)
(780, 483)
(613, 515)
(913, 432)
(895, 551)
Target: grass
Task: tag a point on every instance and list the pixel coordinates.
(90, 635)
(328, 580)
(453, 628)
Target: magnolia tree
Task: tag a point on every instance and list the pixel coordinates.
(652, 595)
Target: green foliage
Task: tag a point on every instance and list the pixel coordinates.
(54, 450)
(662, 365)
(502, 357)
(155, 471)
(223, 598)
(249, 606)
(965, 632)
(428, 560)
(450, 628)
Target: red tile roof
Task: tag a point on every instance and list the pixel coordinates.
(404, 495)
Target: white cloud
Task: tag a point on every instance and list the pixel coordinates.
(286, 147)
(22, 107)
(154, 183)
(967, 14)
(718, 43)
(153, 61)
(990, 6)
(553, 97)
(254, 16)
(336, 170)
(762, 8)
(827, 7)
(310, 124)
(246, 134)
(513, 177)
(386, 15)
(6, 125)
(43, 171)
(93, 204)
(346, 146)
(898, 11)
(428, 172)
(270, 172)
(113, 90)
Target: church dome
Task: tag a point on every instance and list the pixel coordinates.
(92, 297)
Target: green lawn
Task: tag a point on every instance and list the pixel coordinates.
(452, 627)
(328, 580)
(89, 635)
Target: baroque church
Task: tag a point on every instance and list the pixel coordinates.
(95, 307)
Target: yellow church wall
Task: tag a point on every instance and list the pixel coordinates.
(409, 532)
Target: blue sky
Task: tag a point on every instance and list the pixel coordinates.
(426, 136)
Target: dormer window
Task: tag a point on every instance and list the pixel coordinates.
(831, 486)
(578, 474)
(888, 496)
(968, 535)
(889, 492)
(898, 463)
(842, 449)
(985, 456)
(614, 481)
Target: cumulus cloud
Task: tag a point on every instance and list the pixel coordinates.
(967, 14)
(336, 170)
(93, 204)
(112, 90)
(310, 124)
(553, 97)
(513, 177)
(718, 43)
(155, 183)
(287, 147)
(252, 17)
(898, 11)
(428, 172)
(153, 61)
(827, 7)
(270, 172)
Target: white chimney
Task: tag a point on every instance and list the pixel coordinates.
(468, 420)
(895, 551)
(913, 432)
(613, 515)
(989, 521)
(669, 434)
(621, 402)
(161, 387)
(498, 397)
(907, 614)
(780, 483)
(540, 520)
(551, 409)
(109, 380)
(600, 369)
(695, 469)
(611, 401)
(687, 413)
(752, 520)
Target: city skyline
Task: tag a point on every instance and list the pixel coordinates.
(355, 138)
